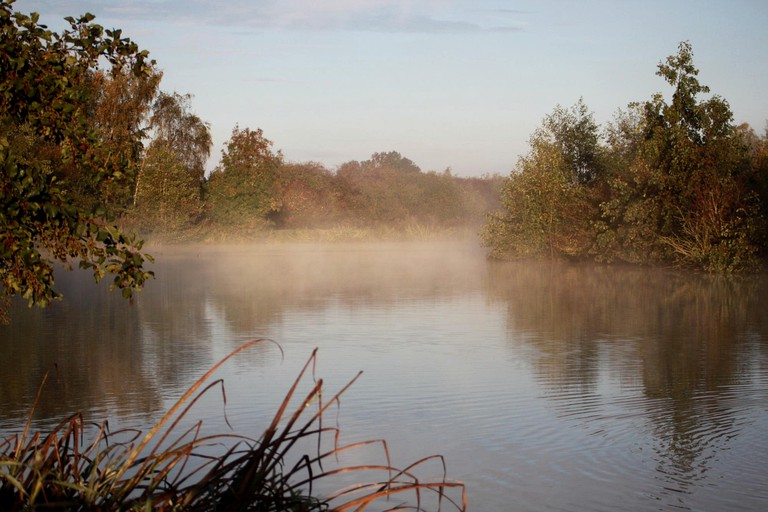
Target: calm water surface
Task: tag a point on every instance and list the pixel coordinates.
(546, 386)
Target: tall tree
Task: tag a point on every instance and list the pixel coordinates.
(576, 136)
(168, 194)
(48, 134)
(686, 187)
(121, 104)
(168, 199)
(243, 187)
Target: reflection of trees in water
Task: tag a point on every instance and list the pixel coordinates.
(688, 340)
(565, 312)
(82, 340)
(110, 354)
(693, 366)
(251, 288)
(175, 333)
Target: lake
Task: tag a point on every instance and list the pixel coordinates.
(546, 386)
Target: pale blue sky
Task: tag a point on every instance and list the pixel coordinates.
(447, 83)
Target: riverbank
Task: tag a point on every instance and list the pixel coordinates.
(209, 235)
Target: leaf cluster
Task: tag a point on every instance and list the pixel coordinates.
(47, 136)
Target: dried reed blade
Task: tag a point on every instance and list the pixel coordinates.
(28, 424)
(363, 502)
(176, 406)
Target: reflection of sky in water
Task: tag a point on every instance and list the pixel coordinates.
(548, 387)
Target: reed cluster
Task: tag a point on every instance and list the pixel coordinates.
(77, 466)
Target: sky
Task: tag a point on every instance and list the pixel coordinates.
(457, 84)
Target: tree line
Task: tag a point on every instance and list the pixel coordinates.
(91, 150)
(254, 188)
(668, 182)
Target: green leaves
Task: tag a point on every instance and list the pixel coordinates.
(546, 201)
(243, 188)
(168, 193)
(56, 170)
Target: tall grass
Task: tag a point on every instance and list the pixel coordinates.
(77, 466)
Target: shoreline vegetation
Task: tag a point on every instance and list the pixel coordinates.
(386, 197)
(336, 234)
(94, 151)
(82, 466)
(672, 181)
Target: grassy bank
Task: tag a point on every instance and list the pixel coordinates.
(211, 233)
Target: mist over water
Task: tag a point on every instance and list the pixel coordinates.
(546, 386)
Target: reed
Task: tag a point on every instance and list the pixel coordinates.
(80, 467)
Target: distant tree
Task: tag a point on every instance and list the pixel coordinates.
(243, 187)
(47, 135)
(480, 196)
(168, 198)
(377, 194)
(168, 194)
(308, 196)
(174, 125)
(442, 202)
(382, 190)
(391, 190)
(390, 160)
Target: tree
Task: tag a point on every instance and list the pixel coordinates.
(243, 187)
(308, 197)
(390, 160)
(168, 195)
(183, 132)
(118, 104)
(547, 201)
(576, 135)
(676, 184)
(685, 197)
(121, 104)
(47, 135)
(543, 212)
(756, 175)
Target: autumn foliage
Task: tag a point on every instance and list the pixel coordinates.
(670, 182)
